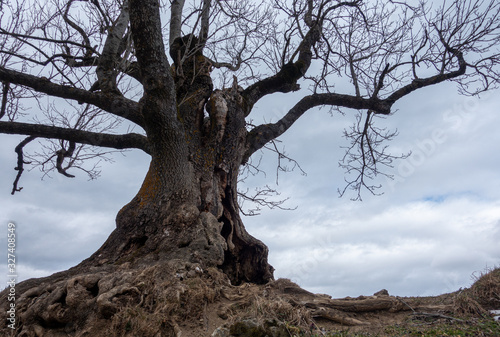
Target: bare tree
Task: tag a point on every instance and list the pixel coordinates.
(188, 74)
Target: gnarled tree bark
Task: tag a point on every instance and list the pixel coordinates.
(185, 218)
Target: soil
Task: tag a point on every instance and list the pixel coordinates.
(269, 302)
(182, 300)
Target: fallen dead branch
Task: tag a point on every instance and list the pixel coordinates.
(436, 315)
(355, 305)
(336, 316)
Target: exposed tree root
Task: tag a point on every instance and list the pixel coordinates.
(173, 298)
(164, 299)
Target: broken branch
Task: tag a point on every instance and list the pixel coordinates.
(20, 163)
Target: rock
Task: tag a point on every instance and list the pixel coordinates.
(220, 332)
(248, 327)
(222, 312)
(251, 328)
(382, 292)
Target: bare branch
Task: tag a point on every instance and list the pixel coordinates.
(385, 50)
(145, 24)
(262, 134)
(114, 104)
(61, 155)
(261, 197)
(176, 20)
(125, 141)
(46, 39)
(46, 158)
(79, 29)
(205, 22)
(20, 163)
(106, 70)
(365, 154)
(424, 82)
(5, 92)
(282, 156)
(286, 79)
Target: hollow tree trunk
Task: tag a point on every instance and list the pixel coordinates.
(187, 206)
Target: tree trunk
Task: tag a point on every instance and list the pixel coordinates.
(187, 206)
(209, 231)
(185, 218)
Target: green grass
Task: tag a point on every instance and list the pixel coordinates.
(482, 327)
(477, 328)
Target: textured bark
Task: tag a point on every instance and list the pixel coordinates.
(175, 20)
(125, 141)
(180, 243)
(107, 68)
(115, 104)
(187, 206)
(197, 138)
(183, 222)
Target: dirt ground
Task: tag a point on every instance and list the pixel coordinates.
(304, 314)
(183, 300)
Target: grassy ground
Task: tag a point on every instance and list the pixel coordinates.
(476, 328)
(479, 327)
(484, 327)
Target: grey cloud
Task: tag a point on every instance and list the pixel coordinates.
(426, 235)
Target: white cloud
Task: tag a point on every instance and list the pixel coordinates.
(426, 235)
(418, 248)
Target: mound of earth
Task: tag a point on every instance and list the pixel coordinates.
(181, 299)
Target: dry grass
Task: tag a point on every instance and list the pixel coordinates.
(136, 321)
(265, 303)
(277, 309)
(483, 295)
(170, 304)
(464, 304)
(486, 289)
(167, 301)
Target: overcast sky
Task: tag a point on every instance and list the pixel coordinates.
(436, 224)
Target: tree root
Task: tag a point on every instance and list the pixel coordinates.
(166, 298)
